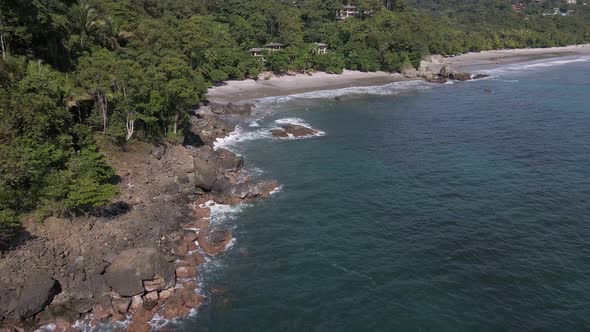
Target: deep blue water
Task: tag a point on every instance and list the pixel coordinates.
(443, 209)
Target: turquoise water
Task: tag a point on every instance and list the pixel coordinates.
(438, 208)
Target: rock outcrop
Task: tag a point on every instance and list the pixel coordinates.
(124, 259)
(138, 270)
(213, 241)
(28, 298)
(215, 169)
(435, 69)
(293, 130)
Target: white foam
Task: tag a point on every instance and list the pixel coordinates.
(221, 213)
(276, 190)
(387, 89)
(534, 65)
(240, 135)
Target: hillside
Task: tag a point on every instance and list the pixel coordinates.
(76, 72)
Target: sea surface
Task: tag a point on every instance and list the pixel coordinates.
(456, 207)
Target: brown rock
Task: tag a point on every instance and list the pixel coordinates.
(118, 317)
(192, 300)
(194, 259)
(213, 241)
(293, 130)
(202, 223)
(192, 246)
(143, 315)
(279, 133)
(61, 324)
(165, 294)
(184, 272)
(139, 327)
(100, 312)
(172, 307)
(190, 237)
(191, 285)
(131, 267)
(181, 249)
(184, 311)
(153, 296)
(155, 284)
(121, 305)
(136, 303)
(202, 212)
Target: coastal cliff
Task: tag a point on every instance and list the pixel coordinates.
(138, 256)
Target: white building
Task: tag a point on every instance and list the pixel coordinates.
(322, 48)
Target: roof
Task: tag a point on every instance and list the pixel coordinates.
(274, 45)
(256, 49)
(321, 44)
(349, 7)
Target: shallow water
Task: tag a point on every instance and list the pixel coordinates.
(439, 208)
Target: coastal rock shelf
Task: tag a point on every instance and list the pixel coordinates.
(137, 260)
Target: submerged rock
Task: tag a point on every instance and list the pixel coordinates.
(213, 241)
(293, 130)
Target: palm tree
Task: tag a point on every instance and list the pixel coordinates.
(85, 19)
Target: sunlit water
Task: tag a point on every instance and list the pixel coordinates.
(459, 207)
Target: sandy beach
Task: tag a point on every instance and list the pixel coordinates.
(492, 59)
(236, 91)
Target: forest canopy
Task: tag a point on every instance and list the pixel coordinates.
(74, 73)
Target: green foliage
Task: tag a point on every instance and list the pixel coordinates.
(74, 69)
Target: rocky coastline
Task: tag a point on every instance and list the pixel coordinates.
(136, 262)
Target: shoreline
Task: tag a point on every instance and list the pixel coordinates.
(486, 60)
(247, 90)
(234, 91)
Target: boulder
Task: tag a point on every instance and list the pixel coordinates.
(211, 166)
(409, 71)
(159, 151)
(479, 76)
(207, 127)
(213, 241)
(29, 298)
(223, 109)
(121, 305)
(229, 161)
(154, 284)
(184, 272)
(134, 266)
(247, 191)
(205, 174)
(293, 130)
(138, 327)
(194, 259)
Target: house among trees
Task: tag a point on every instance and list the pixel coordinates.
(346, 12)
(257, 51)
(273, 47)
(322, 48)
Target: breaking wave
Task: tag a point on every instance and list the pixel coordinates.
(381, 90)
(535, 65)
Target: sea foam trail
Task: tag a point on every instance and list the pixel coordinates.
(382, 90)
(534, 65)
(240, 135)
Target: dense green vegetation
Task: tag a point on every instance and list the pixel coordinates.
(76, 71)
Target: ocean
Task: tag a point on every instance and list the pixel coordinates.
(419, 207)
